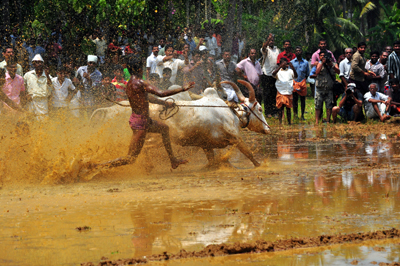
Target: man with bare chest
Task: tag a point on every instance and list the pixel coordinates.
(137, 91)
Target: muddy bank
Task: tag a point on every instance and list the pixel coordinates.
(258, 247)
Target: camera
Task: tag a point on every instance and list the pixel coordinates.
(349, 91)
(328, 57)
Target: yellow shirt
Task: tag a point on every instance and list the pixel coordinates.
(37, 86)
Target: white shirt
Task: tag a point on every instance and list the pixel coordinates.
(101, 46)
(161, 65)
(60, 92)
(345, 67)
(284, 81)
(378, 96)
(36, 86)
(151, 63)
(271, 57)
(211, 44)
(176, 65)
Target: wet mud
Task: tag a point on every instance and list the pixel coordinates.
(313, 181)
(259, 247)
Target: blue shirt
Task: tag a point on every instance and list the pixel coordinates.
(313, 71)
(192, 44)
(302, 69)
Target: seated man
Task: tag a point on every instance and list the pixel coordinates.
(394, 93)
(350, 105)
(376, 104)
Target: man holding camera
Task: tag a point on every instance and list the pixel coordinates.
(324, 75)
(350, 105)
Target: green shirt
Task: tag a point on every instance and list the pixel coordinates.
(127, 75)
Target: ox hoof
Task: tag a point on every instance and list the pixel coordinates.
(256, 164)
(177, 162)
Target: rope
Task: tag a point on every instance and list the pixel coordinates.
(257, 116)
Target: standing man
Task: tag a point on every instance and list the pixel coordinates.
(39, 86)
(270, 55)
(90, 78)
(393, 63)
(138, 94)
(151, 64)
(388, 49)
(287, 52)
(250, 70)
(299, 84)
(358, 72)
(8, 54)
(212, 45)
(345, 67)
(196, 71)
(166, 60)
(324, 78)
(14, 85)
(322, 46)
(227, 72)
(374, 66)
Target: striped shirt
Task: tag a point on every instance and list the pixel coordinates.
(120, 89)
(393, 65)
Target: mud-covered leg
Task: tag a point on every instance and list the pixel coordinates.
(210, 156)
(245, 150)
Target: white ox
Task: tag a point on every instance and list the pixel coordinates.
(205, 127)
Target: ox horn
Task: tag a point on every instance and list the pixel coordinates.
(236, 89)
(252, 93)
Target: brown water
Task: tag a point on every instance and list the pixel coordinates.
(312, 182)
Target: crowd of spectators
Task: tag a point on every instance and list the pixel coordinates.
(51, 75)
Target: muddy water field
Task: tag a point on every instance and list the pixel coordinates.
(325, 195)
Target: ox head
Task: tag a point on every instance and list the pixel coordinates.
(255, 118)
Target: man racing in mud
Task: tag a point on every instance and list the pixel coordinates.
(137, 91)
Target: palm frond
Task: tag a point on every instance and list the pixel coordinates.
(367, 8)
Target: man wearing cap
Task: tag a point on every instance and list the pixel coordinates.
(8, 54)
(39, 86)
(90, 78)
(350, 105)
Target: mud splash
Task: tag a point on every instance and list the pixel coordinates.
(259, 247)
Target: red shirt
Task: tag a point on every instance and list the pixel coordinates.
(289, 57)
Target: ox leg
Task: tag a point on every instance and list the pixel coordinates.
(243, 149)
(210, 156)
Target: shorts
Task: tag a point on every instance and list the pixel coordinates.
(139, 122)
(347, 114)
(321, 97)
(284, 100)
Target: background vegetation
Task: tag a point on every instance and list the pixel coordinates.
(342, 22)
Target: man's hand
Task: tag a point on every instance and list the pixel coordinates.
(86, 75)
(47, 72)
(290, 65)
(169, 104)
(188, 86)
(198, 63)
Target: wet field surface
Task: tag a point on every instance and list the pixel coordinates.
(313, 181)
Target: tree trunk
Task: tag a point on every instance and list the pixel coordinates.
(187, 12)
(230, 25)
(5, 18)
(239, 16)
(197, 14)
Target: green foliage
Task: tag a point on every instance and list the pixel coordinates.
(388, 28)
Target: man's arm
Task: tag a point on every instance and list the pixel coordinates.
(9, 102)
(319, 66)
(343, 100)
(294, 70)
(154, 90)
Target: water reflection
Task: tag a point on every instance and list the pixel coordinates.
(310, 187)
